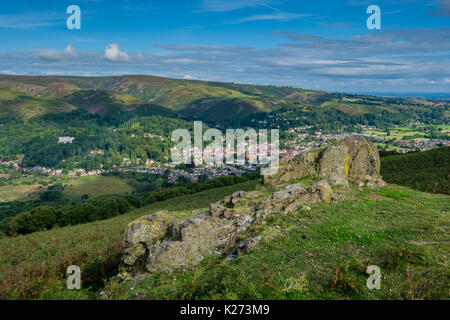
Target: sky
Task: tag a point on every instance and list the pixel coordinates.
(320, 44)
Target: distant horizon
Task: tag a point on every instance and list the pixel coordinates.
(321, 45)
(425, 95)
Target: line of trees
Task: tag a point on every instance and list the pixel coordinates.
(47, 217)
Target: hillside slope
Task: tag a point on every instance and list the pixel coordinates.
(426, 171)
(111, 104)
(206, 99)
(34, 265)
(21, 106)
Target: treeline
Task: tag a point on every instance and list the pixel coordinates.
(47, 217)
(189, 188)
(104, 207)
(427, 171)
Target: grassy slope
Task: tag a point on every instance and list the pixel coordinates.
(32, 266)
(223, 110)
(426, 171)
(22, 106)
(323, 254)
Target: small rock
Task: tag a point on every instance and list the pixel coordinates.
(228, 213)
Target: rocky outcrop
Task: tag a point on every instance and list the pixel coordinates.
(350, 159)
(293, 197)
(161, 243)
(155, 243)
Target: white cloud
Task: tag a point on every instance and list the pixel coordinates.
(113, 54)
(231, 5)
(189, 77)
(30, 20)
(279, 16)
(399, 60)
(57, 55)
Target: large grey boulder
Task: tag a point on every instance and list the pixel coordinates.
(158, 243)
(351, 158)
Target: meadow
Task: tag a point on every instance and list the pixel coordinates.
(74, 189)
(19, 192)
(316, 254)
(403, 132)
(95, 186)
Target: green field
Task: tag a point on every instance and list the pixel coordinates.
(400, 132)
(390, 146)
(19, 192)
(95, 186)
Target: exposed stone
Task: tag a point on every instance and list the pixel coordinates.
(323, 189)
(352, 158)
(245, 246)
(181, 243)
(217, 210)
(143, 233)
(228, 213)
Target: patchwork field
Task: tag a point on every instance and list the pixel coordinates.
(95, 186)
(402, 132)
(19, 192)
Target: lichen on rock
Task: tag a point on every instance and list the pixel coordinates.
(351, 158)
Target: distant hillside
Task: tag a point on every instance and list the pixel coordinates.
(110, 104)
(215, 101)
(21, 106)
(223, 110)
(426, 171)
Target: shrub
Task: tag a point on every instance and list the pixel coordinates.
(38, 219)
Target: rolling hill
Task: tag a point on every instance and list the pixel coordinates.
(22, 106)
(214, 102)
(111, 104)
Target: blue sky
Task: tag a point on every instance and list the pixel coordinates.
(320, 44)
